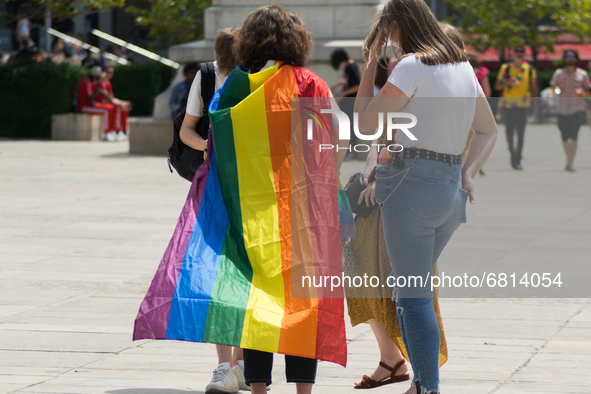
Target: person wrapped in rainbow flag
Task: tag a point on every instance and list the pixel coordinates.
(264, 210)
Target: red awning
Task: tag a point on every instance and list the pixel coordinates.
(584, 50)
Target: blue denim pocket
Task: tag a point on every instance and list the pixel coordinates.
(463, 202)
(426, 198)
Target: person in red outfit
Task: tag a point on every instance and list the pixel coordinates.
(123, 107)
(89, 91)
(481, 73)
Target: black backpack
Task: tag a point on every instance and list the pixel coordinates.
(183, 158)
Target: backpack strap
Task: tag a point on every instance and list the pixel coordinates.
(207, 84)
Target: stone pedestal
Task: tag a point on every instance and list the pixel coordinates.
(340, 19)
(77, 127)
(148, 136)
(333, 23)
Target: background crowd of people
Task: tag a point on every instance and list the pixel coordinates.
(519, 97)
(61, 51)
(517, 85)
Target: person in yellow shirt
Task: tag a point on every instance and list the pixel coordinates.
(518, 82)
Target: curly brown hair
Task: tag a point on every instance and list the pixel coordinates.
(224, 48)
(273, 32)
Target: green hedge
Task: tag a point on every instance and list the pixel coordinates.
(31, 92)
(545, 77)
(140, 84)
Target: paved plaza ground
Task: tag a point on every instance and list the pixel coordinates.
(84, 225)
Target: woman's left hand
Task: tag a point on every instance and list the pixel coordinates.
(468, 185)
(369, 194)
(369, 166)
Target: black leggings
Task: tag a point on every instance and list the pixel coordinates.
(258, 366)
(515, 120)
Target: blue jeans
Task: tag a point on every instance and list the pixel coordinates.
(422, 204)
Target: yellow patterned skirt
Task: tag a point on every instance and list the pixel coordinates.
(370, 257)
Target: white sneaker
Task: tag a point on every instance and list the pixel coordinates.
(223, 381)
(121, 136)
(239, 371)
(110, 136)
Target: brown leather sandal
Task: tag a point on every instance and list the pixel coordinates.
(369, 383)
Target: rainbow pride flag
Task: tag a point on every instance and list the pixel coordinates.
(262, 214)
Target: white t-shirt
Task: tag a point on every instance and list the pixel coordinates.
(443, 98)
(194, 101)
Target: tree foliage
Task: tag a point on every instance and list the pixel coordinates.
(501, 24)
(63, 9)
(172, 21)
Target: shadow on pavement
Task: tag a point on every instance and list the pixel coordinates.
(127, 155)
(153, 391)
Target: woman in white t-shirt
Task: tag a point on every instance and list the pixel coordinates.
(226, 62)
(423, 190)
(228, 377)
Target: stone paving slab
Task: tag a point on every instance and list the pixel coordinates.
(84, 225)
